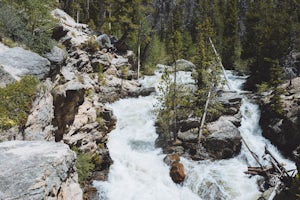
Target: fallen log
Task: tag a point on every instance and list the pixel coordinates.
(261, 171)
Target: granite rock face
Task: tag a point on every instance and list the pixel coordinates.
(284, 130)
(19, 62)
(38, 170)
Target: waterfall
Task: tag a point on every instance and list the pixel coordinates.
(139, 173)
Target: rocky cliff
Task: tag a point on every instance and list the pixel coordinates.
(38, 170)
(77, 78)
(283, 131)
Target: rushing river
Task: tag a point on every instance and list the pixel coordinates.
(139, 173)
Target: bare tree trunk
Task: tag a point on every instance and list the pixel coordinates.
(88, 8)
(204, 115)
(219, 59)
(174, 101)
(77, 16)
(139, 50)
(109, 16)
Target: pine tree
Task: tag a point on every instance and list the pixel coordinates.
(230, 37)
(266, 38)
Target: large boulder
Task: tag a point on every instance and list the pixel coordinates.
(104, 41)
(188, 136)
(56, 55)
(224, 140)
(19, 62)
(231, 101)
(177, 172)
(38, 170)
(184, 65)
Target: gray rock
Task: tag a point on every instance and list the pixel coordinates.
(224, 140)
(38, 170)
(19, 62)
(184, 65)
(142, 92)
(104, 41)
(283, 130)
(5, 77)
(57, 55)
(188, 136)
(39, 122)
(189, 124)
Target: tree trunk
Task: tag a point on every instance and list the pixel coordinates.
(174, 101)
(219, 59)
(204, 115)
(139, 50)
(77, 16)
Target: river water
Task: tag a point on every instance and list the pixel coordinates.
(139, 173)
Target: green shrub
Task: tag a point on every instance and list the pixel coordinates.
(156, 55)
(28, 22)
(15, 102)
(295, 189)
(8, 42)
(84, 165)
(101, 78)
(90, 45)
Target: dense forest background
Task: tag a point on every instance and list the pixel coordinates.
(260, 37)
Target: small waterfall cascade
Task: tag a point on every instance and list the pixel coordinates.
(139, 173)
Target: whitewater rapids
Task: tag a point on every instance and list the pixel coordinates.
(139, 173)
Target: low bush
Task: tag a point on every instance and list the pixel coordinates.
(84, 165)
(15, 102)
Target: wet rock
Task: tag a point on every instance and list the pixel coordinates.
(44, 170)
(189, 124)
(212, 191)
(171, 158)
(142, 92)
(224, 140)
(297, 158)
(177, 172)
(231, 101)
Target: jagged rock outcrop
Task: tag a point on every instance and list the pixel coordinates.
(283, 131)
(69, 106)
(38, 170)
(17, 62)
(39, 123)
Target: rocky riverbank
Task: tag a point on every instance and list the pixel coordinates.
(76, 79)
(283, 130)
